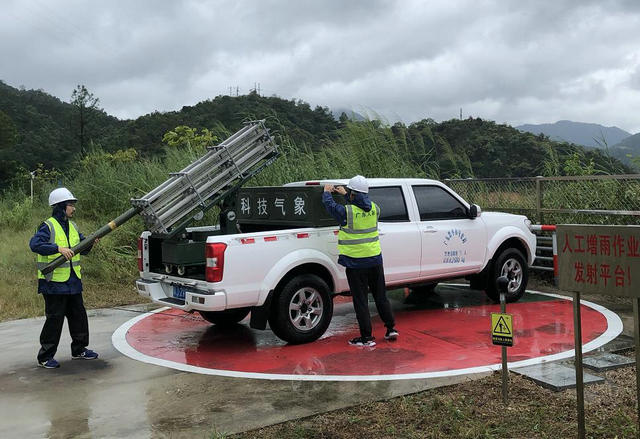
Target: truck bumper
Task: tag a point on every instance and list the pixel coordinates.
(163, 293)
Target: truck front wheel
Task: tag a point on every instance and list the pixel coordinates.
(225, 318)
(301, 310)
(510, 263)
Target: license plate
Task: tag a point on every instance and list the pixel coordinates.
(179, 292)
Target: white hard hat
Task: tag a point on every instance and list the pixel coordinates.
(359, 184)
(59, 195)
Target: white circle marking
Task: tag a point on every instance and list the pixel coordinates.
(614, 328)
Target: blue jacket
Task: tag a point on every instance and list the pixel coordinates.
(40, 244)
(339, 212)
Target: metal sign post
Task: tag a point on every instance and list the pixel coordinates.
(502, 334)
(505, 370)
(636, 339)
(599, 260)
(577, 332)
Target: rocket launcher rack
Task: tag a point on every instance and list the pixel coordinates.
(168, 208)
(197, 185)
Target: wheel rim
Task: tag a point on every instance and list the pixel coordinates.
(305, 309)
(512, 269)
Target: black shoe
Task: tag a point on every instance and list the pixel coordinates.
(362, 341)
(391, 334)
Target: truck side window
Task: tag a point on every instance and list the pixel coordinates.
(391, 202)
(435, 203)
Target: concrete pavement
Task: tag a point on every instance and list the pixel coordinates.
(115, 396)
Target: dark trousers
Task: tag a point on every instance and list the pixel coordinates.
(363, 281)
(57, 307)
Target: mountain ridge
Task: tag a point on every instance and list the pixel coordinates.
(38, 128)
(581, 133)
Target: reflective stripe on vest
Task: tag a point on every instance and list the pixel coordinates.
(58, 237)
(359, 237)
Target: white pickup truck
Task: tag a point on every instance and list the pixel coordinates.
(428, 233)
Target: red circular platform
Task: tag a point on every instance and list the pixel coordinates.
(447, 337)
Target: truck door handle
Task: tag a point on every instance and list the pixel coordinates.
(429, 230)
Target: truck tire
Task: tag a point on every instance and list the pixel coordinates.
(227, 317)
(429, 288)
(512, 264)
(301, 310)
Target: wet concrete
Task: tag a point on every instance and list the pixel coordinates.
(116, 396)
(556, 376)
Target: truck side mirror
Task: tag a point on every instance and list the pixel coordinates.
(474, 211)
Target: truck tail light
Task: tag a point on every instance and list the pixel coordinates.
(140, 267)
(214, 254)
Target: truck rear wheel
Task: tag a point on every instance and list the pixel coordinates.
(225, 318)
(512, 264)
(301, 311)
(429, 288)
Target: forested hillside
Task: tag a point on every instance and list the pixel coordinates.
(628, 151)
(37, 128)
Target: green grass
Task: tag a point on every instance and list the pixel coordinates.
(104, 183)
(108, 281)
(475, 410)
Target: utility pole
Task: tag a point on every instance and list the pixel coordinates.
(460, 113)
(33, 175)
(237, 91)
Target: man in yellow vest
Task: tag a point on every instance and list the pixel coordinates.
(360, 254)
(61, 288)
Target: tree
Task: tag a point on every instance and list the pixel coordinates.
(8, 133)
(9, 168)
(185, 136)
(86, 103)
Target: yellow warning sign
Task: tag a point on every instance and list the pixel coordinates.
(502, 329)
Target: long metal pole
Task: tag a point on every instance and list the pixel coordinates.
(104, 230)
(636, 339)
(577, 330)
(505, 370)
(32, 176)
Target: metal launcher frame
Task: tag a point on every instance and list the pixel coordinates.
(168, 208)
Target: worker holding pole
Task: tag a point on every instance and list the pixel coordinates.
(61, 288)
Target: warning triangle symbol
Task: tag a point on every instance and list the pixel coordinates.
(501, 327)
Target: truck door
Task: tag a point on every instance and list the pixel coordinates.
(400, 248)
(451, 241)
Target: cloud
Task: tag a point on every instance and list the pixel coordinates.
(513, 62)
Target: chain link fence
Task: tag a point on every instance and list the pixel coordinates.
(593, 199)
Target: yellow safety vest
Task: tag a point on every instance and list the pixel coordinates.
(58, 237)
(359, 237)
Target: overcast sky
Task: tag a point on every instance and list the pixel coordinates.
(510, 61)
